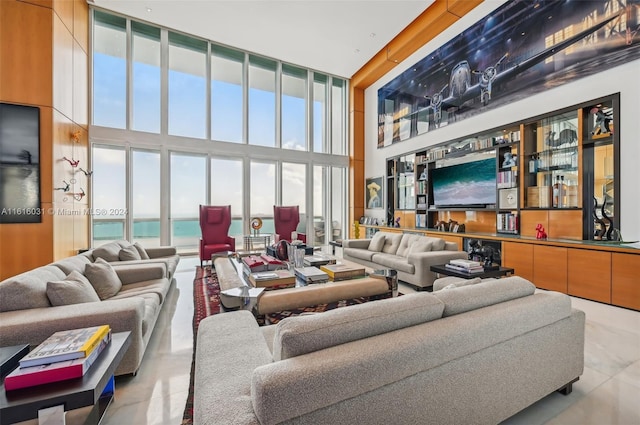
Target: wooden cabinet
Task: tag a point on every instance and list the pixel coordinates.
(519, 257)
(589, 274)
(550, 271)
(625, 282)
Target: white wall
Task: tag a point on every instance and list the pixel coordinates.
(624, 79)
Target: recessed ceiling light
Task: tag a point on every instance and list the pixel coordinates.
(356, 51)
(148, 9)
(373, 34)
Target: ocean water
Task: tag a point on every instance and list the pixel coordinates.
(110, 230)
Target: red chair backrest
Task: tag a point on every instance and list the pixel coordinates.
(214, 223)
(285, 220)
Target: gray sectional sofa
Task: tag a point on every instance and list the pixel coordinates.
(471, 354)
(81, 291)
(410, 254)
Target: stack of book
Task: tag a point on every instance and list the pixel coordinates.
(343, 271)
(259, 263)
(311, 275)
(318, 260)
(465, 266)
(64, 355)
(272, 278)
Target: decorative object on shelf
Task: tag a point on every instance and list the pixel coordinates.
(613, 234)
(356, 229)
(510, 160)
(74, 162)
(602, 121)
(86, 173)
(602, 230)
(397, 223)
(540, 232)
(256, 225)
(374, 192)
(65, 188)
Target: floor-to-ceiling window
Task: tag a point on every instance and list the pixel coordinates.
(189, 122)
(145, 197)
(109, 193)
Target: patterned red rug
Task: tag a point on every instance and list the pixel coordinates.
(206, 302)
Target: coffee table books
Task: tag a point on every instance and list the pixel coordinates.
(23, 377)
(465, 266)
(272, 262)
(272, 278)
(311, 275)
(318, 260)
(341, 271)
(253, 264)
(66, 345)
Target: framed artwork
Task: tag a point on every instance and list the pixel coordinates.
(374, 194)
(522, 48)
(19, 164)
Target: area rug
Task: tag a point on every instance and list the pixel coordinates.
(206, 302)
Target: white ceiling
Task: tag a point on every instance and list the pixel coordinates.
(332, 36)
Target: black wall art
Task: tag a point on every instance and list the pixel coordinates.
(19, 164)
(522, 48)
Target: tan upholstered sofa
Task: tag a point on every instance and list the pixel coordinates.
(410, 254)
(473, 354)
(80, 291)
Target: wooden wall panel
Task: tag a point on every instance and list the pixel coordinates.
(474, 221)
(25, 75)
(550, 271)
(589, 274)
(529, 220)
(64, 10)
(81, 23)
(625, 280)
(518, 256)
(565, 224)
(80, 86)
(62, 68)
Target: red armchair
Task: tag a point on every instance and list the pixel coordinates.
(285, 221)
(214, 225)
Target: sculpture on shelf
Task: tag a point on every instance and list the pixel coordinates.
(397, 223)
(599, 232)
(603, 120)
(540, 232)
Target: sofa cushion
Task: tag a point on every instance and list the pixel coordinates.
(74, 289)
(141, 251)
(418, 246)
(108, 252)
(29, 289)
(129, 253)
(295, 336)
(484, 294)
(394, 262)
(362, 254)
(405, 243)
(77, 263)
(377, 242)
(391, 243)
(103, 278)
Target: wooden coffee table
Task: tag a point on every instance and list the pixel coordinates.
(95, 388)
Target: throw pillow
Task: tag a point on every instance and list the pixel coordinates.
(74, 289)
(129, 253)
(419, 246)
(377, 242)
(141, 251)
(103, 278)
(110, 252)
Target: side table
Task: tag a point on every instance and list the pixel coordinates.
(95, 388)
(499, 272)
(250, 240)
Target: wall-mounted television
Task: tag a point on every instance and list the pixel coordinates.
(470, 184)
(19, 164)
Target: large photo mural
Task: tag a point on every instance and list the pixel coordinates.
(522, 48)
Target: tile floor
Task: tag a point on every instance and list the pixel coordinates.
(607, 393)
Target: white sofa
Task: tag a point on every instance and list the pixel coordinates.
(410, 254)
(475, 354)
(30, 311)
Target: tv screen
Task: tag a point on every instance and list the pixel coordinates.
(19, 164)
(469, 184)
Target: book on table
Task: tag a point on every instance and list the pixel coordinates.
(466, 263)
(23, 377)
(318, 260)
(272, 262)
(66, 345)
(253, 264)
(311, 275)
(342, 271)
(463, 269)
(272, 278)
